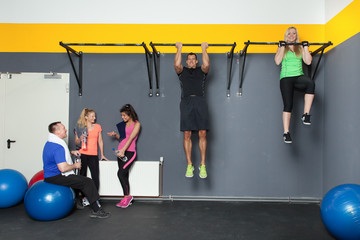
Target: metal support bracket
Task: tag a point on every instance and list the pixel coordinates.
(244, 53)
(79, 74)
(230, 56)
(321, 50)
(157, 68)
(78, 77)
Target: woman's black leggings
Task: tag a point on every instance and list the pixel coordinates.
(123, 173)
(289, 84)
(93, 162)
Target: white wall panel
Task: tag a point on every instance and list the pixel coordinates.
(333, 7)
(165, 11)
(144, 178)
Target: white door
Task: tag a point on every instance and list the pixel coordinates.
(29, 103)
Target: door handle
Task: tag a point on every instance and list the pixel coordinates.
(9, 143)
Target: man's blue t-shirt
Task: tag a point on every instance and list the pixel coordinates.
(53, 154)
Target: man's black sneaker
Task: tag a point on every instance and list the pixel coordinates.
(306, 119)
(287, 138)
(99, 214)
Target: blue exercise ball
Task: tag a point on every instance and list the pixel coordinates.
(46, 202)
(340, 211)
(13, 186)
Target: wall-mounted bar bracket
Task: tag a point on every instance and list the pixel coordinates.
(321, 50)
(244, 53)
(79, 75)
(230, 56)
(157, 68)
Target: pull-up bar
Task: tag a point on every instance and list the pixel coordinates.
(192, 44)
(248, 43)
(230, 56)
(79, 54)
(286, 43)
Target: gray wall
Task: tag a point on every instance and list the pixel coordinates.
(246, 154)
(341, 113)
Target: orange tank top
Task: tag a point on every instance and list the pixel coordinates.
(92, 141)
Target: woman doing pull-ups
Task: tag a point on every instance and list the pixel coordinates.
(292, 77)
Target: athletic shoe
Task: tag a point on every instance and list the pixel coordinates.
(202, 173)
(126, 202)
(189, 171)
(99, 214)
(306, 119)
(85, 202)
(287, 138)
(121, 203)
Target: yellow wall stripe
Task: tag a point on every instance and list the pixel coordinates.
(345, 24)
(46, 37)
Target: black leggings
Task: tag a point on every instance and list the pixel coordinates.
(93, 162)
(123, 173)
(289, 84)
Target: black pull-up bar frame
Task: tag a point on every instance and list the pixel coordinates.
(79, 76)
(248, 43)
(230, 56)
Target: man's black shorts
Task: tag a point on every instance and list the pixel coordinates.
(194, 114)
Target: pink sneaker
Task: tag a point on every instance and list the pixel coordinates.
(121, 203)
(126, 201)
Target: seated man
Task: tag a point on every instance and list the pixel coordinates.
(59, 168)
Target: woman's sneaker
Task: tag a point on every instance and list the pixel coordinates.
(121, 203)
(85, 202)
(125, 202)
(287, 137)
(306, 119)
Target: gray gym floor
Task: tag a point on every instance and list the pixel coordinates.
(174, 220)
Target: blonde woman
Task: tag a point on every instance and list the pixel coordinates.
(88, 136)
(292, 77)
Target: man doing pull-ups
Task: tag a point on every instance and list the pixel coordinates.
(193, 106)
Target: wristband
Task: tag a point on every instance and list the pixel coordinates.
(282, 43)
(305, 43)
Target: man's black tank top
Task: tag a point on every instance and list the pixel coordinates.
(192, 82)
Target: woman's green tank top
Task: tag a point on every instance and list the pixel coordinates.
(291, 65)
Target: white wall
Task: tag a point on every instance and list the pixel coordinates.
(172, 12)
(166, 11)
(333, 7)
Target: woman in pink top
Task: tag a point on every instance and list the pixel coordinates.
(126, 153)
(90, 138)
